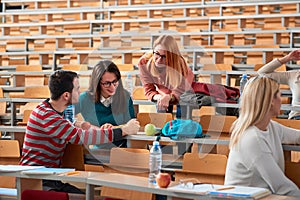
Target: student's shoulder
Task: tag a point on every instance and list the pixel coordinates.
(253, 141)
(85, 96)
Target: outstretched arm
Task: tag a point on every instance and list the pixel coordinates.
(274, 64)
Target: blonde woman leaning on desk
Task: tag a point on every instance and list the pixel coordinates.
(165, 74)
(291, 78)
(256, 155)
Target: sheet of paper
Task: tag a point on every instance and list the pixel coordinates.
(16, 168)
(48, 171)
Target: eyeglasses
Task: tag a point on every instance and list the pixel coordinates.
(157, 55)
(189, 183)
(107, 84)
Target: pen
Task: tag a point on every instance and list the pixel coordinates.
(225, 188)
(72, 173)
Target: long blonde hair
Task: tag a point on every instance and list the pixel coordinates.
(255, 104)
(176, 66)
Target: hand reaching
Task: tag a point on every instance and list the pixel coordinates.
(85, 125)
(131, 127)
(294, 55)
(106, 126)
(142, 61)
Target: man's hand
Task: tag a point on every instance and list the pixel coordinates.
(85, 125)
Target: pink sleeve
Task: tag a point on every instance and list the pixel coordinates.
(147, 81)
(185, 85)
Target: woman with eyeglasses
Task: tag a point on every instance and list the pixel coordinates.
(291, 78)
(106, 103)
(165, 74)
(256, 156)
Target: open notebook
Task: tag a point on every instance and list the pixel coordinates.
(224, 191)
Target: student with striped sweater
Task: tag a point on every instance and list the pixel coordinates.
(48, 133)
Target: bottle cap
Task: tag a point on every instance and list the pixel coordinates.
(155, 143)
(244, 76)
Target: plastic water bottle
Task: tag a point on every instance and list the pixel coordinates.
(129, 83)
(69, 113)
(154, 162)
(243, 83)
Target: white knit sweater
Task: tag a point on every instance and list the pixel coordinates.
(257, 160)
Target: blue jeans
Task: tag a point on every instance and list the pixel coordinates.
(296, 117)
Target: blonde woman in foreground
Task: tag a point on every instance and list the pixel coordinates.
(256, 156)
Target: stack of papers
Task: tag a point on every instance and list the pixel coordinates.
(16, 168)
(43, 171)
(224, 191)
(34, 169)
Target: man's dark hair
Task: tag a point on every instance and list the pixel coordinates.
(61, 81)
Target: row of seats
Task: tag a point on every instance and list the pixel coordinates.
(129, 9)
(146, 24)
(40, 50)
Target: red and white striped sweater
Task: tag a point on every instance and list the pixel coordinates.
(48, 133)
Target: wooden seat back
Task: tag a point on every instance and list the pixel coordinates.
(29, 79)
(2, 104)
(128, 161)
(204, 110)
(73, 157)
(38, 92)
(75, 67)
(158, 119)
(216, 123)
(293, 156)
(138, 93)
(26, 115)
(9, 155)
(207, 168)
(123, 157)
(287, 122)
(20, 136)
(217, 126)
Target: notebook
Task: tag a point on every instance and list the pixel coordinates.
(241, 192)
(234, 192)
(49, 171)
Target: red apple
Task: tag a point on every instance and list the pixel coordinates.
(163, 180)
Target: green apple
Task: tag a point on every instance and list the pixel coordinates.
(150, 129)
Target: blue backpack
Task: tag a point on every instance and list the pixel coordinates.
(181, 129)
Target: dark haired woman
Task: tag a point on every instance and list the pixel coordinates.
(106, 103)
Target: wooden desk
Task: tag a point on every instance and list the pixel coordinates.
(24, 182)
(136, 183)
(92, 179)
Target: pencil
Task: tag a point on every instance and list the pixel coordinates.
(72, 173)
(226, 188)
